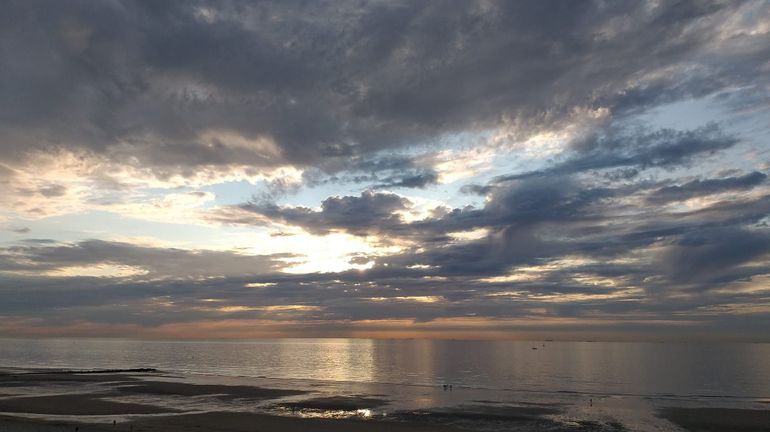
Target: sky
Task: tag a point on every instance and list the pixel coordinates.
(440, 169)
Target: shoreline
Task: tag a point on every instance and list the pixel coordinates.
(222, 421)
(689, 419)
(142, 399)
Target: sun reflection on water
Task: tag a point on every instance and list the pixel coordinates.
(363, 413)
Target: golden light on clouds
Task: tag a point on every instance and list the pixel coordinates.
(532, 273)
(259, 284)
(271, 308)
(103, 270)
(408, 299)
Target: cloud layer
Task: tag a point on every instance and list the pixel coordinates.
(386, 168)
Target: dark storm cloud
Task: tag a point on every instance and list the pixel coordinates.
(39, 257)
(701, 254)
(476, 189)
(540, 200)
(697, 188)
(378, 172)
(145, 81)
(557, 222)
(362, 215)
(517, 216)
(664, 148)
(418, 180)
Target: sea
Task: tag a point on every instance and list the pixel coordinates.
(630, 378)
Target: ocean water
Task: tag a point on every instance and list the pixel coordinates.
(646, 370)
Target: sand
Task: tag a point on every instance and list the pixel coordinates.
(90, 402)
(507, 417)
(14, 424)
(80, 406)
(27, 379)
(217, 421)
(718, 419)
(501, 411)
(185, 389)
(249, 422)
(340, 403)
(75, 404)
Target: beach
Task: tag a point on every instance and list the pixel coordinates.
(236, 422)
(149, 400)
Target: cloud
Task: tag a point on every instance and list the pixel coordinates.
(194, 89)
(362, 215)
(149, 262)
(579, 210)
(54, 190)
(418, 180)
(698, 188)
(664, 148)
(705, 254)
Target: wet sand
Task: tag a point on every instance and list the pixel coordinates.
(114, 399)
(218, 421)
(74, 404)
(26, 379)
(251, 422)
(338, 403)
(718, 419)
(185, 389)
(52, 402)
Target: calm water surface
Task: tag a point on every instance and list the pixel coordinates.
(611, 368)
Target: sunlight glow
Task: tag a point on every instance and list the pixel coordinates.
(104, 270)
(415, 299)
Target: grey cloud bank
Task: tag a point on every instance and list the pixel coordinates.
(148, 80)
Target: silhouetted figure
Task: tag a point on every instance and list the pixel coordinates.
(590, 402)
(450, 387)
(113, 423)
(445, 387)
